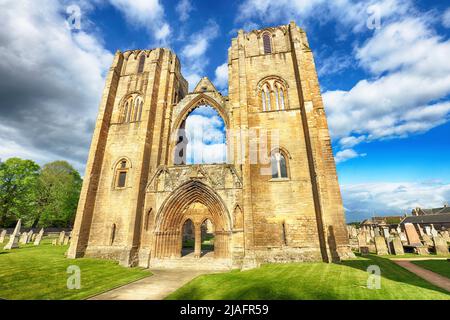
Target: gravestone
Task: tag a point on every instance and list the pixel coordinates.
(380, 246)
(445, 234)
(29, 236)
(403, 237)
(434, 232)
(421, 250)
(377, 232)
(23, 238)
(62, 234)
(361, 241)
(38, 239)
(371, 232)
(428, 230)
(54, 242)
(421, 233)
(2, 236)
(364, 250)
(411, 235)
(399, 230)
(397, 246)
(33, 237)
(14, 238)
(386, 232)
(427, 240)
(440, 245)
(66, 240)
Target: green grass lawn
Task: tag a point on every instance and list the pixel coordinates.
(441, 267)
(347, 280)
(40, 272)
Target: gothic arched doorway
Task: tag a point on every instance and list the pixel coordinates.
(197, 202)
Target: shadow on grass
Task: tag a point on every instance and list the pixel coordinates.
(390, 270)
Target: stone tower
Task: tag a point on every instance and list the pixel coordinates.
(276, 199)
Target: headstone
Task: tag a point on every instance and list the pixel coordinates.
(14, 238)
(440, 245)
(23, 238)
(403, 237)
(427, 240)
(364, 250)
(29, 236)
(421, 250)
(2, 236)
(399, 230)
(411, 234)
(434, 232)
(421, 233)
(54, 242)
(371, 232)
(428, 230)
(377, 232)
(62, 234)
(445, 234)
(386, 232)
(33, 237)
(66, 240)
(397, 246)
(361, 241)
(380, 246)
(39, 236)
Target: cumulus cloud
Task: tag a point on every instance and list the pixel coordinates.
(364, 200)
(347, 154)
(193, 54)
(145, 13)
(184, 8)
(221, 77)
(206, 135)
(407, 91)
(446, 18)
(51, 83)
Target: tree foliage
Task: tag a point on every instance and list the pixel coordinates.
(46, 197)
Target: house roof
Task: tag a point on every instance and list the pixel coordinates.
(429, 218)
(420, 211)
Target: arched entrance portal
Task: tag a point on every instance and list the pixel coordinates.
(196, 202)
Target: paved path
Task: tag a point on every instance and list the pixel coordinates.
(430, 276)
(156, 287)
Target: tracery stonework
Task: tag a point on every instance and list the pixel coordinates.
(138, 191)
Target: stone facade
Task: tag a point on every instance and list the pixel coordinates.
(137, 193)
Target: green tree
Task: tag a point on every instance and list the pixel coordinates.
(18, 181)
(57, 195)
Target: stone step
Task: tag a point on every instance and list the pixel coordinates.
(192, 263)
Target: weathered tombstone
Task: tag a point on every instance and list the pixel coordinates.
(377, 231)
(440, 245)
(23, 238)
(397, 246)
(371, 232)
(411, 234)
(54, 242)
(29, 236)
(428, 230)
(422, 250)
(66, 240)
(38, 239)
(2, 236)
(62, 234)
(380, 246)
(421, 233)
(399, 230)
(434, 232)
(364, 250)
(33, 237)
(445, 234)
(386, 232)
(361, 241)
(427, 240)
(403, 237)
(14, 238)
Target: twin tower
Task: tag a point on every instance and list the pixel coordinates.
(276, 198)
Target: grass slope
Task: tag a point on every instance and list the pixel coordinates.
(40, 272)
(441, 267)
(347, 280)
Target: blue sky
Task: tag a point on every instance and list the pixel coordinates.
(386, 86)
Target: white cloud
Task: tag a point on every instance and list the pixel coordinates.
(51, 83)
(221, 79)
(145, 13)
(184, 8)
(193, 54)
(406, 95)
(446, 18)
(392, 198)
(206, 135)
(347, 154)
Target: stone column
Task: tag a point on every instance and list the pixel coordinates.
(198, 240)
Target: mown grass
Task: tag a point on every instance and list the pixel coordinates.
(347, 280)
(40, 273)
(441, 267)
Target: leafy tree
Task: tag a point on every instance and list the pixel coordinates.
(57, 195)
(18, 180)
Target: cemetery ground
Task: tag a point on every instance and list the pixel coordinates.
(40, 273)
(318, 281)
(441, 267)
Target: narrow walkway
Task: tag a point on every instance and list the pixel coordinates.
(430, 276)
(156, 287)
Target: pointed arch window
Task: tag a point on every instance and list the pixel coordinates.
(121, 175)
(141, 63)
(273, 94)
(279, 166)
(267, 43)
(132, 109)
